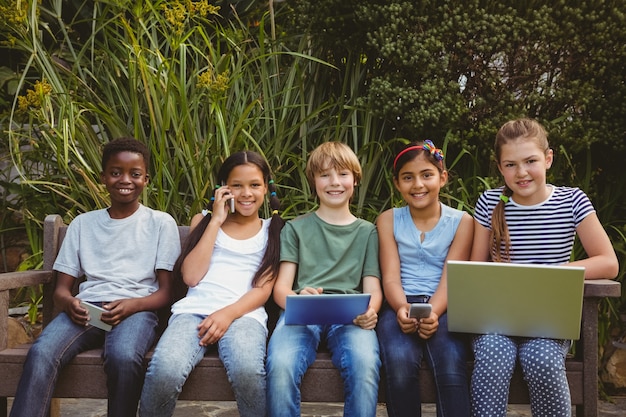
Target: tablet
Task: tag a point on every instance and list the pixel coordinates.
(94, 316)
(325, 308)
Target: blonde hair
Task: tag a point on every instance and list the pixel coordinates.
(518, 129)
(335, 155)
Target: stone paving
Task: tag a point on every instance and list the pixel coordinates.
(97, 408)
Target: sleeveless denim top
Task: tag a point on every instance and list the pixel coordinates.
(421, 263)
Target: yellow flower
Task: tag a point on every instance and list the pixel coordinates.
(178, 13)
(221, 82)
(14, 12)
(203, 8)
(216, 84)
(34, 96)
(22, 104)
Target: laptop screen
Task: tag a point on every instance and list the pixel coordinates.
(515, 299)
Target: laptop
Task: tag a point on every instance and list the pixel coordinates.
(515, 299)
(325, 308)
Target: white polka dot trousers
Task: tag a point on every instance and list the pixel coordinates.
(543, 367)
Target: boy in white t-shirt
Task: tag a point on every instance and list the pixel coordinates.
(126, 254)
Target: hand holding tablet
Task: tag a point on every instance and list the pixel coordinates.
(325, 308)
(95, 314)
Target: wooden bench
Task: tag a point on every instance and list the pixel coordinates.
(84, 376)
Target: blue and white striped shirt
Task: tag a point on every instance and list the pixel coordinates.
(542, 233)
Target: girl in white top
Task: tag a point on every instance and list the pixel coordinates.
(229, 262)
(529, 221)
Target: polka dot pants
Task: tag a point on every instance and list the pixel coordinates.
(543, 366)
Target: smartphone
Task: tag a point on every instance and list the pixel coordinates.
(230, 201)
(95, 313)
(420, 310)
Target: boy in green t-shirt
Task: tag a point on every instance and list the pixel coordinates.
(328, 251)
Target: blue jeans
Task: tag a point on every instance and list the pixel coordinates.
(447, 354)
(124, 349)
(292, 349)
(241, 349)
(543, 366)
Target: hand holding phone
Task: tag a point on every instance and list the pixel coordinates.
(231, 201)
(420, 310)
(95, 313)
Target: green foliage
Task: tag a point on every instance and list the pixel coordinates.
(459, 69)
(193, 86)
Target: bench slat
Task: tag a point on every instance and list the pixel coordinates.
(208, 381)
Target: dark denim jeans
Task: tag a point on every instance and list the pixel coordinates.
(447, 354)
(124, 349)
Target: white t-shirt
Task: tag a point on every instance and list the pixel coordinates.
(118, 257)
(233, 265)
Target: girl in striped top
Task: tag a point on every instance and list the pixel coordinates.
(530, 221)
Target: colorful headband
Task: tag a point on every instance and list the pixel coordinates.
(428, 146)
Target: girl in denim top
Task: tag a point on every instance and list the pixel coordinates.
(415, 242)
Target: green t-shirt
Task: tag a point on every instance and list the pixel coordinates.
(330, 256)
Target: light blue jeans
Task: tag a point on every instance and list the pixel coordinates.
(124, 349)
(293, 348)
(241, 349)
(543, 366)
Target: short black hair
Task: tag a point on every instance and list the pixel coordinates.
(125, 144)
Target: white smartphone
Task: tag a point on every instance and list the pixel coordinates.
(95, 314)
(420, 310)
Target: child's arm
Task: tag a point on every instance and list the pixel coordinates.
(459, 251)
(602, 261)
(284, 282)
(481, 243)
(390, 269)
(213, 327)
(196, 263)
(390, 265)
(368, 320)
(67, 302)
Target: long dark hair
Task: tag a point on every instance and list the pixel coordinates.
(268, 270)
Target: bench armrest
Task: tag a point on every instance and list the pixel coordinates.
(13, 280)
(602, 288)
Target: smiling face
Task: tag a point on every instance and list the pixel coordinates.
(125, 177)
(334, 186)
(523, 164)
(248, 187)
(419, 181)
